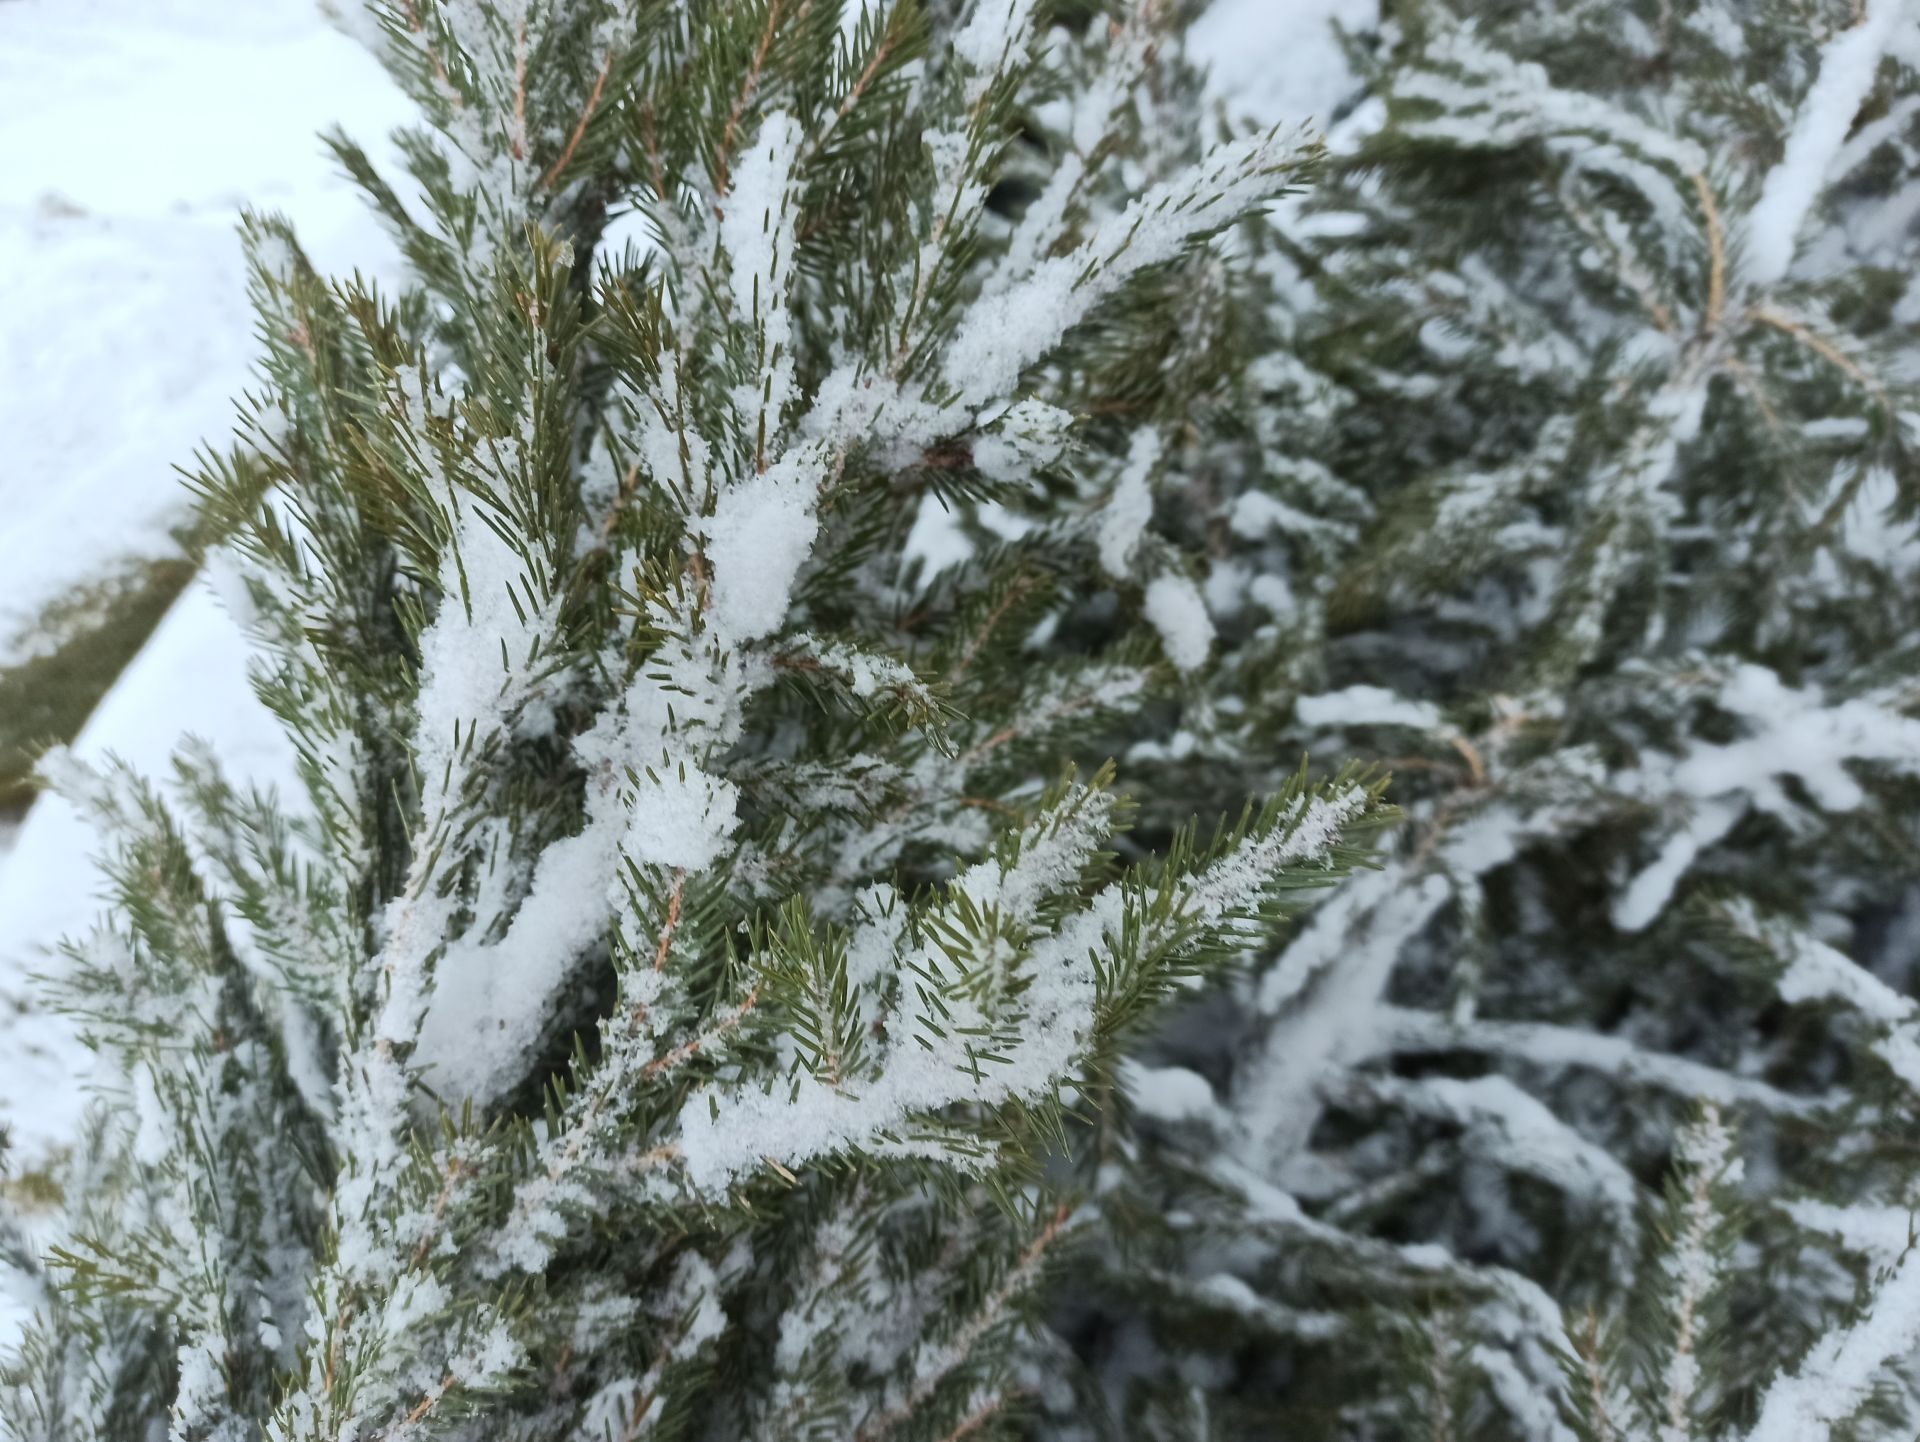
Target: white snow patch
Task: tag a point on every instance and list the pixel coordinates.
(106, 214)
(1130, 507)
(1652, 887)
(1178, 612)
(761, 532)
(1366, 706)
(1168, 1093)
(1793, 187)
(1274, 61)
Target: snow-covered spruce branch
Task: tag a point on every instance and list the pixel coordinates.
(809, 430)
(1571, 493)
(681, 938)
(996, 1000)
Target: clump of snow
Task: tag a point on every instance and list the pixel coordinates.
(1002, 334)
(1275, 62)
(1816, 971)
(1176, 609)
(1798, 732)
(1366, 706)
(1836, 1377)
(1544, 1044)
(758, 242)
(755, 229)
(1518, 1131)
(681, 818)
(868, 675)
(1704, 1153)
(1646, 896)
(1255, 514)
(479, 657)
(761, 532)
(991, 38)
(727, 1132)
(1785, 731)
(1030, 435)
(1169, 1093)
(1881, 1233)
(1130, 507)
(1847, 71)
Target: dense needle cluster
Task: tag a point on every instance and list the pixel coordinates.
(716, 974)
(658, 1015)
(1571, 478)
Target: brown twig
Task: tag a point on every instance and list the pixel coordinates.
(845, 108)
(1823, 348)
(1626, 267)
(723, 156)
(520, 91)
(1471, 755)
(1750, 383)
(977, 1418)
(419, 27)
(1587, 1345)
(333, 1344)
(1716, 252)
(1014, 730)
(456, 1169)
(650, 137)
(580, 126)
(687, 1050)
(673, 919)
(427, 1404)
(1022, 584)
(987, 803)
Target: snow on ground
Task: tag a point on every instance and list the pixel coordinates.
(134, 130)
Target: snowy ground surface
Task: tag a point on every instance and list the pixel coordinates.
(134, 132)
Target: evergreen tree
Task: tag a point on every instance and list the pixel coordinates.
(658, 1015)
(1565, 469)
(691, 998)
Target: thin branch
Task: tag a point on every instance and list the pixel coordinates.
(456, 1169)
(1825, 349)
(977, 1418)
(723, 156)
(951, 1354)
(687, 1050)
(672, 921)
(1022, 584)
(1716, 252)
(580, 126)
(1587, 1345)
(433, 1400)
(419, 27)
(519, 146)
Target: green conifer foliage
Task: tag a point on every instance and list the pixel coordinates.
(1568, 473)
(657, 1016)
(716, 985)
